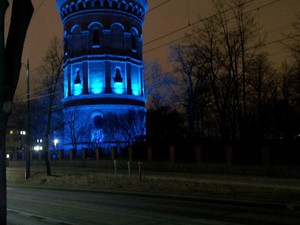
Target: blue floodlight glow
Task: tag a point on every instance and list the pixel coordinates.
(97, 87)
(77, 89)
(118, 88)
(135, 89)
(103, 70)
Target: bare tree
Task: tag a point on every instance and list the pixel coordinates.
(125, 127)
(218, 54)
(294, 42)
(288, 101)
(52, 72)
(191, 91)
(262, 91)
(10, 65)
(157, 85)
(75, 127)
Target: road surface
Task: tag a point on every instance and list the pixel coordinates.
(32, 206)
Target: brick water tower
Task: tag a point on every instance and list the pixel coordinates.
(103, 70)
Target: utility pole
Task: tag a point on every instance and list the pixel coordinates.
(27, 150)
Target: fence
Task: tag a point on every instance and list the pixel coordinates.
(274, 152)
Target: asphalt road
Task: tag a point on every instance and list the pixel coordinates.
(30, 206)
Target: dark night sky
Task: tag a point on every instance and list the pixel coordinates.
(276, 18)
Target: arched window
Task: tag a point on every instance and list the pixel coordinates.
(117, 36)
(77, 78)
(98, 122)
(66, 47)
(96, 33)
(115, 5)
(134, 39)
(77, 83)
(97, 134)
(96, 37)
(76, 43)
(133, 42)
(118, 77)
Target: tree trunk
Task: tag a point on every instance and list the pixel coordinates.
(20, 18)
(10, 64)
(3, 119)
(47, 162)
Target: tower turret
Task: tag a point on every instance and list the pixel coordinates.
(103, 69)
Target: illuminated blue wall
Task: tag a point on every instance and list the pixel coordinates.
(103, 70)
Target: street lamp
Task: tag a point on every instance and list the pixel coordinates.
(38, 148)
(55, 141)
(27, 150)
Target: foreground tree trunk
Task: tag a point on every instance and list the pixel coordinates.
(10, 64)
(3, 119)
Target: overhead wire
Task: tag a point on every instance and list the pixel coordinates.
(39, 6)
(37, 97)
(158, 6)
(192, 24)
(201, 20)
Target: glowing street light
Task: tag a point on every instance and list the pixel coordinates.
(38, 148)
(55, 141)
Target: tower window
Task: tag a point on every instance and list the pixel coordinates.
(77, 78)
(98, 122)
(133, 42)
(117, 36)
(66, 46)
(96, 37)
(118, 77)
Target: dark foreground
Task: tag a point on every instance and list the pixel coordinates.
(36, 206)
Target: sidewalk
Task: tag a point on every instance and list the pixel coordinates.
(245, 188)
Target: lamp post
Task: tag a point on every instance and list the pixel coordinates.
(39, 147)
(55, 141)
(22, 134)
(27, 150)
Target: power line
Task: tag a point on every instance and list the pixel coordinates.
(194, 23)
(40, 5)
(37, 97)
(201, 20)
(158, 6)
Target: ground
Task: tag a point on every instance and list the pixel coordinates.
(241, 187)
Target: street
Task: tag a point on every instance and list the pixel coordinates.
(32, 206)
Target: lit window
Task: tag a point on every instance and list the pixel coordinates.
(118, 77)
(77, 78)
(11, 132)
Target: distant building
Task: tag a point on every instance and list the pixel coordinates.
(103, 71)
(14, 141)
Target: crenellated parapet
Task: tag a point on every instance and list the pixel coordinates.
(137, 8)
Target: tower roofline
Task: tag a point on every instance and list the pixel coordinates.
(136, 7)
